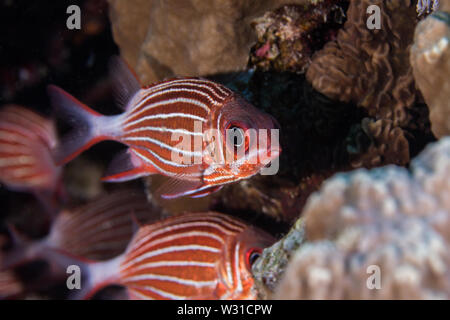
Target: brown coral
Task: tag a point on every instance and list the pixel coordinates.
(367, 67)
(388, 145)
(387, 218)
(430, 58)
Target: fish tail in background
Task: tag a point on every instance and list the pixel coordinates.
(21, 252)
(89, 126)
(51, 201)
(94, 275)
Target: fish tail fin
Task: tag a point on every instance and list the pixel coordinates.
(86, 129)
(20, 253)
(84, 277)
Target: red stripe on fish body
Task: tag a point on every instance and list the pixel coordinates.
(173, 107)
(10, 285)
(153, 115)
(194, 256)
(25, 142)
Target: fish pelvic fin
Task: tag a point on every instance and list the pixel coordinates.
(89, 126)
(20, 253)
(127, 166)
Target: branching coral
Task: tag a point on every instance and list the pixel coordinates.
(386, 218)
(430, 58)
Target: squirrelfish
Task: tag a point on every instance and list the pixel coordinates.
(10, 285)
(193, 256)
(26, 164)
(176, 128)
(100, 229)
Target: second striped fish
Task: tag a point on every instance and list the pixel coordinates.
(157, 117)
(194, 256)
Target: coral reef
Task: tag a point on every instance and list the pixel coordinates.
(430, 58)
(162, 39)
(288, 36)
(367, 114)
(370, 69)
(388, 217)
(367, 67)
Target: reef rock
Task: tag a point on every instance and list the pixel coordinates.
(289, 36)
(430, 58)
(385, 222)
(161, 39)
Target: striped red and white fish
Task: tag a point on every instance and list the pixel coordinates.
(193, 256)
(10, 285)
(100, 229)
(158, 123)
(26, 164)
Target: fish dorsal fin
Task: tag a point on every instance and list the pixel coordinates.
(126, 166)
(125, 83)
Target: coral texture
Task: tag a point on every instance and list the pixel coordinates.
(367, 67)
(430, 58)
(166, 38)
(379, 123)
(386, 218)
(288, 36)
(370, 69)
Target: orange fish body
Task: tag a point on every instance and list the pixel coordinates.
(26, 164)
(193, 256)
(177, 128)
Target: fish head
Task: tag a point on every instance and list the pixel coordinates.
(248, 248)
(249, 137)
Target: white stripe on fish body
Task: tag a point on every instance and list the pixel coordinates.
(151, 163)
(168, 162)
(7, 135)
(164, 146)
(159, 292)
(145, 158)
(164, 116)
(176, 248)
(137, 245)
(174, 263)
(150, 244)
(237, 248)
(147, 97)
(181, 281)
(189, 101)
(105, 209)
(17, 160)
(165, 129)
(215, 89)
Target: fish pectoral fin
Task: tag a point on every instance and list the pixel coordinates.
(126, 166)
(125, 83)
(175, 188)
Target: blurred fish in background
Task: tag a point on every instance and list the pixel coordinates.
(26, 163)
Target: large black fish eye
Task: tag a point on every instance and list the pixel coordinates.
(236, 136)
(252, 255)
